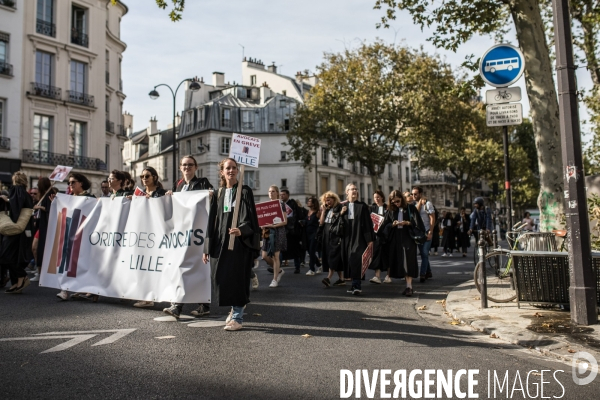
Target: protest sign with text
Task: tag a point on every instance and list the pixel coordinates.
(245, 150)
(269, 212)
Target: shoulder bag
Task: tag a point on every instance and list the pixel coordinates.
(417, 233)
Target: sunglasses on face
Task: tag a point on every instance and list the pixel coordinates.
(71, 183)
(188, 165)
(145, 176)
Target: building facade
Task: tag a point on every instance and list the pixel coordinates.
(11, 55)
(72, 88)
(261, 106)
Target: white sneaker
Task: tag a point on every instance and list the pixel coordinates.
(142, 304)
(36, 278)
(255, 282)
(450, 255)
(274, 283)
(375, 280)
(229, 317)
(310, 272)
(387, 279)
(319, 270)
(62, 295)
(255, 264)
(281, 272)
(444, 255)
(233, 326)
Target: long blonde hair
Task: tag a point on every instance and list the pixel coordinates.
(222, 181)
(330, 195)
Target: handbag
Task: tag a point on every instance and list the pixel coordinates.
(416, 232)
(10, 228)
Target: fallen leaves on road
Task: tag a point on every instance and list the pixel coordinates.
(306, 336)
(422, 308)
(546, 325)
(165, 337)
(257, 315)
(572, 351)
(494, 336)
(538, 315)
(477, 298)
(455, 322)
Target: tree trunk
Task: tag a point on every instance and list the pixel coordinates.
(544, 109)
(590, 44)
(374, 185)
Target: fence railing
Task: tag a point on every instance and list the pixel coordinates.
(48, 158)
(51, 92)
(79, 37)
(110, 126)
(80, 98)
(6, 68)
(4, 143)
(45, 28)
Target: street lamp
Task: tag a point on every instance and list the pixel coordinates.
(194, 86)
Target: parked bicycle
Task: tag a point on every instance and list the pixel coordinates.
(498, 268)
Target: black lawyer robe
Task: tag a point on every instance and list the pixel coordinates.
(399, 245)
(331, 243)
(233, 267)
(377, 262)
(17, 249)
(358, 233)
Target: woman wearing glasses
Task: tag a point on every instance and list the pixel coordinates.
(331, 231)
(80, 186)
(190, 181)
(400, 250)
(233, 267)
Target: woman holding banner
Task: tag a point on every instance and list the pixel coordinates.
(233, 267)
(380, 208)
(116, 181)
(42, 209)
(400, 250)
(330, 235)
(276, 240)
(358, 234)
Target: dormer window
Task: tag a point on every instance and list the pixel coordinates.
(282, 103)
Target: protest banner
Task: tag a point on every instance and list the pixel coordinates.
(139, 192)
(111, 247)
(366, 258)
(377, 221)
(269, 212)
(245, 150)
(60, 173)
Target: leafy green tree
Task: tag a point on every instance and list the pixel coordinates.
(365, 104)
(455, 22)
(176, 11)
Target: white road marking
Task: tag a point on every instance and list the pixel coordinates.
(118, 334)
(75, 336)
(75, 339)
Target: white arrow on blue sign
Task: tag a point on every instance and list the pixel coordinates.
(502, 65)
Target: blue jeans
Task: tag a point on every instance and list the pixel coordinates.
(424, 250)
(238, 314)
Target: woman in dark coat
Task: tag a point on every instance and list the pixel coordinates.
(463, 222)
(448, 238)
(400, 250)
(311, 227)
(330, 234)
(42, 209)
(233, 267)
(15, 251)
(358, 234)
(378, 207)
(435, 238)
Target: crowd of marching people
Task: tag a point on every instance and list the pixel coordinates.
(337, 234)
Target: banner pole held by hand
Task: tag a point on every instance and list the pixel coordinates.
(236, 209)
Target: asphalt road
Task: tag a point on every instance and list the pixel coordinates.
(270, 358)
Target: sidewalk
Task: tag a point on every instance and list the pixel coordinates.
(548, 331)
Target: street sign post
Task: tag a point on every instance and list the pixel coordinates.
(503, 95)
(502, 65)
(504, 114)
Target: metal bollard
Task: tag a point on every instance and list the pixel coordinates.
(495, 239)
(482, 276)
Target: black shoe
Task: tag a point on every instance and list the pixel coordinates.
(408, 292)
(201, 311)
(339, 282)
(173, 310)
(11, 290)
(428, 275)
(25, 283)
(326, 282)
(356, 291)
(422, 278)
(351, 290)
(297, 271)
(270, 270)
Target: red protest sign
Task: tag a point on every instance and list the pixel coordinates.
(139, 192)
(269, 212)
(377, 220)
(366, 258)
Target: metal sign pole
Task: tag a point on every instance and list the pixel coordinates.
(507, 186)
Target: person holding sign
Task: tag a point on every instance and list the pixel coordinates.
(331, 231)
(188, 167)
(274, 240)
(380, 208)
(233, 267)
(151, 183)
(358, 234)
(400, 250)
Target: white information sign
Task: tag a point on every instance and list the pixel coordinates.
(503, 95)
(245, 150)
(504, 114)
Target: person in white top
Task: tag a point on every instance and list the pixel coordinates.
(427, 213)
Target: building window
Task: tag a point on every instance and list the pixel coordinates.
(362, 191)
(107, 67)
(271, 127)
(282, 103)
(45, 17)
(252, 80)
(391, 189)
(247, 120)
(340, 187)
(226, 118)
(43, 68)
(189, 120)
(251, 179)
(390, 176)
(165, 169)
(400, 174)
(340, 162)
(354, 167)
(107, 155)
(188, 147)
(42, 132)
(369, 193)
(5, 68)
(79, 27)
(324, 184)
(407, 174)
(78, 77)
(224, 147)
(283, 183)
(286, 124)
(325, 156)
(1, 118)
(284, 92)
(200, 123)
(283, 156)
(77, 138)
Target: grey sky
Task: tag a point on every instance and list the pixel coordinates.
(293, 34)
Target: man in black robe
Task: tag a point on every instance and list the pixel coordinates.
(294, 228)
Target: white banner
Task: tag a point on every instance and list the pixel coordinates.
(140, 249)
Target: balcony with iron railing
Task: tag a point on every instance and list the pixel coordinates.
(80, 98)
(42, 90)
(48, 158)
(8, 3)
(4, 143)
(435, 178)
(247, 126)
(110, 126)
(79, 37)
(121, 130)
(6, 68)
(45, 28)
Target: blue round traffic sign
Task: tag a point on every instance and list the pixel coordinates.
(502, 65)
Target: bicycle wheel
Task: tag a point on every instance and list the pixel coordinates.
(500, 288)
